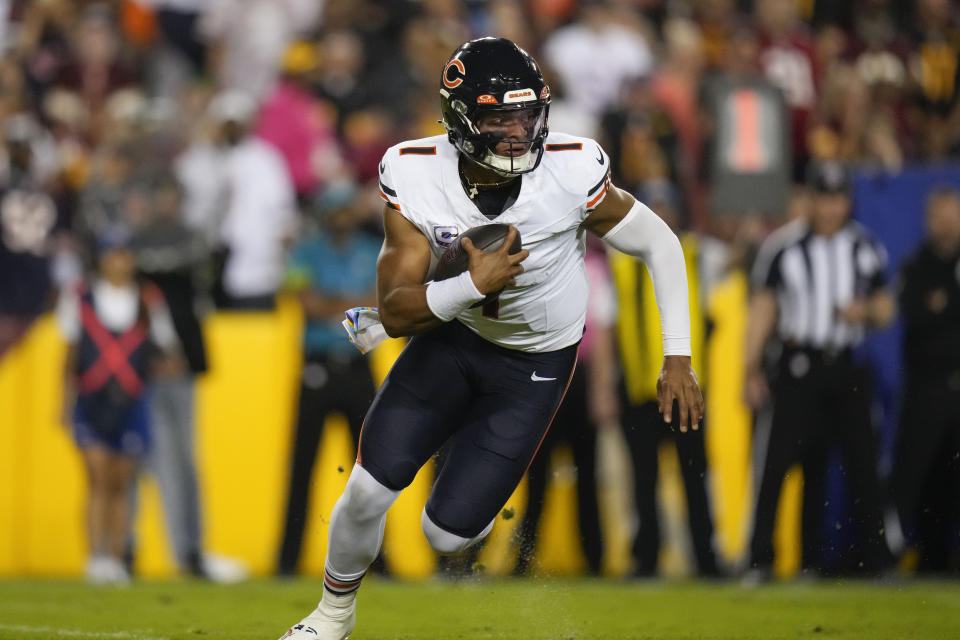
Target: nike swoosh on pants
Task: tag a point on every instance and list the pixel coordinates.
(536, 378)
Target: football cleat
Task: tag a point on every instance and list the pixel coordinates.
(326, 622)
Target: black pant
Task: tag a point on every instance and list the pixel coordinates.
(572, 425)
(493, 404)
(328, 384)
(644, 428)
(820, 400)
(928, 446)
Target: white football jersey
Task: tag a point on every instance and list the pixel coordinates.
(545, 310)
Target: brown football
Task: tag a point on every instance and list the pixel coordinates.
(487, 237)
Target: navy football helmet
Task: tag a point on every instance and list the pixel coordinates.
(488, 87)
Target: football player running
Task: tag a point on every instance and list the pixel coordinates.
(487, 377)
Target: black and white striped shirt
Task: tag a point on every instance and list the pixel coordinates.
(814, 276)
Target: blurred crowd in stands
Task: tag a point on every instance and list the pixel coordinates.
(107, 104)
(213, 140)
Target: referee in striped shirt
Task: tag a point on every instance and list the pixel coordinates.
(818, 286)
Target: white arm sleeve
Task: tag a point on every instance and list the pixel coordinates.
(644, 235)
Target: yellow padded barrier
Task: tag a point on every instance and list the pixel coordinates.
(245, 417)
(728, 420)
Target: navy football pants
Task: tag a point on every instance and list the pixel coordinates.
(495, 405)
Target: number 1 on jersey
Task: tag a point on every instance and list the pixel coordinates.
(492, 309)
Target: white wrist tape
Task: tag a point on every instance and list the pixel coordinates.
(644, 235)
(449, 298)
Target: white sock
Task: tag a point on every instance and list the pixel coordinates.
(356, 533)
(443, 541)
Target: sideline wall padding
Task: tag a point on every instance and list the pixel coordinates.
(245, 417)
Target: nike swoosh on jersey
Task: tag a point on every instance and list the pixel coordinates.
(600, 158)
(536, 378)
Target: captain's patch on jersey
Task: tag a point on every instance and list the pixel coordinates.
(445, 235)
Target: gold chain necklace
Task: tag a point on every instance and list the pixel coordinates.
(472, 192)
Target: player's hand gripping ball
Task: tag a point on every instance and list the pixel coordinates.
(488, 237)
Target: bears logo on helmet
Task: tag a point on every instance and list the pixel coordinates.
(450, 78)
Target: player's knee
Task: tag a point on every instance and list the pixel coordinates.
(443, 541)
(364, 497)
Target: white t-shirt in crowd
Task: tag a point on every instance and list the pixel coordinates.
(593, 64)
(259, 217)
(253, 35)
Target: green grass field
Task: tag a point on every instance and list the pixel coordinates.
(514, 609)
